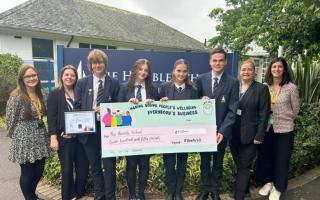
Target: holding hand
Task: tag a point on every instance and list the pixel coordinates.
(164, 99)
(149, 101)
(219, 138)
(134, 100)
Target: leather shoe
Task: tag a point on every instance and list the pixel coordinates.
(215, 196)
(179, 196)
(132, 197)
(202, 196)
(169, 196)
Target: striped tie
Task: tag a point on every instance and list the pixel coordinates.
(215, 84)
(180, 89)
(100, 93)
(138, 94)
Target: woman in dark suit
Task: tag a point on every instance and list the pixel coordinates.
(180, 88)
(251, 123)
(138, 89)
(70, 151)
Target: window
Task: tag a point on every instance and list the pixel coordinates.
(112, 47)
(84, 45)
(42, 48)
(98, 46)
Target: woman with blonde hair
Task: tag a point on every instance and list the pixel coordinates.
(71, 153)
(29, 138)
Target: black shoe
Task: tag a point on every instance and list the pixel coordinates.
(169, 196)
(232, 195)
(178, 196)
(215, 196)
(202, 196)
(142, 197)
(132, 197)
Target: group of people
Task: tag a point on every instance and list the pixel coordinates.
(251, 117)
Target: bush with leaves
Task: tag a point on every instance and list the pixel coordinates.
(9, 65)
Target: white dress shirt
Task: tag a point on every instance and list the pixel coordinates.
(219, 77)
(95, 89)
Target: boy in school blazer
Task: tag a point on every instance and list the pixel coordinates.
(217, 85)
(87, 97)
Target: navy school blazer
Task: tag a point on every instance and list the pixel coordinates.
(125, 95)
(226, 98)
(167, 90)
(84, 95)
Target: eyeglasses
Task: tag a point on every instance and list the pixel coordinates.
(29, 77)
(97, 62)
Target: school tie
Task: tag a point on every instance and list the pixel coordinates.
(180, 89)
(100, 93)
(215, 84)
(138, 94)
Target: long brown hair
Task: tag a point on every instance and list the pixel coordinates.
(148, 81)
(21, 91)
(187, 81)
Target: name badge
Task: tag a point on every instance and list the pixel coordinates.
(239, 112)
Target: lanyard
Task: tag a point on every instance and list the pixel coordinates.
(241, 96)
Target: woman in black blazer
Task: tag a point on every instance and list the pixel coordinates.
(70, 151)
(251, 123)
(180, 88)
(138, 89)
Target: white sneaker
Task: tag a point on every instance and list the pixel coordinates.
(274, 194)
(265, 190)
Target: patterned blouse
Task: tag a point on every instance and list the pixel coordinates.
(29, 141)
(286, 108)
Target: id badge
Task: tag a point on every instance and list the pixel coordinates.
(239, 111)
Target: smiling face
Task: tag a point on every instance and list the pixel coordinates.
(98, 66)
(277, 69)
(142, 72)
(180, 73)
(30, 78)
(247, 71)
(68, 78)
(217, 62)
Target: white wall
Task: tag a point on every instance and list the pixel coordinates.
(22, 47)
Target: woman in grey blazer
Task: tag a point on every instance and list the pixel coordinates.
(275, 153)
(29, 138)
(249, 128)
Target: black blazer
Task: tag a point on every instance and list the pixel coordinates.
(254, 113)
(84, 95)
(125, 95)
(57, 105)
(226, 97)
(167, 90)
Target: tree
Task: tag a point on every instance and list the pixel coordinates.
(294, 24)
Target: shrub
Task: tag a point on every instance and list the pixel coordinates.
(9, 65)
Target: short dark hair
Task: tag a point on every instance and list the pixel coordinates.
(219, 50)
(286, 76)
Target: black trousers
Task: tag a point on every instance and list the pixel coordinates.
(243, 155)
(31, 174)
(143, 162)
(93, 151)
(109, 166)
(175, 165)
(274, 158)
(73, 158)
(211, 177)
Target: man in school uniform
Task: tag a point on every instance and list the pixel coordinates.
(218, 85)
(90, 91)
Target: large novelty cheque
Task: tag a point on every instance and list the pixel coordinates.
(160, 127)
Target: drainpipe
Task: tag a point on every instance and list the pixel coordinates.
(71, 39)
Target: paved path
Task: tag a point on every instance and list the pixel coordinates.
(9, 172)
(304, 187)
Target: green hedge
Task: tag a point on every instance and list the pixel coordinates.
(306, 155)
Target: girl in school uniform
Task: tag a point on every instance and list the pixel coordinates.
(138, 89)
(180, 88)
